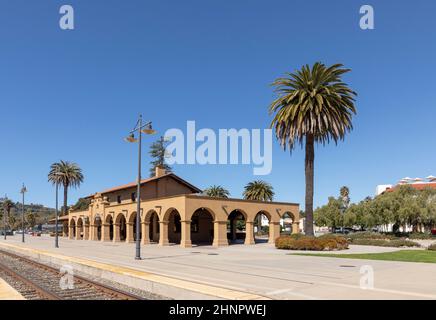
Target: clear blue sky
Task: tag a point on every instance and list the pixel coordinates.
(73, 95)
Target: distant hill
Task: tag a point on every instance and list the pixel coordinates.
(43, 213)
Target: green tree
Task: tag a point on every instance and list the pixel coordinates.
(345, 196)
(314, 106)
(31, 218)
(158, 154)
(329, 215)
(66, 174)
(258, 190)
(81, 205)
(216, 192)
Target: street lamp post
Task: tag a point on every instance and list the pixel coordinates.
(139, 129)
(23, 191)
(56, 218)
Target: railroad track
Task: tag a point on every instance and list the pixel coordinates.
(37, 281)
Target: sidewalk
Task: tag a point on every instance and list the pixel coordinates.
(242, 272)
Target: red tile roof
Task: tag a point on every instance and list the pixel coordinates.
(417, 186)
(134, 184)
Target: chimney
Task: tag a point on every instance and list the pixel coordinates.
(160, 171)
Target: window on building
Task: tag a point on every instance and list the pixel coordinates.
(119, 199)
(133, 196)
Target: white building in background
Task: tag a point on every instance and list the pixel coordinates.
(382, 188)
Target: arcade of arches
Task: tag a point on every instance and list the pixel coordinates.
(185, 220)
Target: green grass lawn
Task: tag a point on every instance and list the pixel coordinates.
(402, 255)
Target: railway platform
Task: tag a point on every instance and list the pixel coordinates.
(8, 293)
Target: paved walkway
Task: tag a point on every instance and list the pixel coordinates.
(9, 293)
(259, 269)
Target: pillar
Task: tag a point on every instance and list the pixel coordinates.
(220, 234)
(92, 232)
(79, 232)
(86, 232)
(145, 232)
(129, 233)
(233, 229)
(185, 241)
(71, 233)
(295, 227)
(116, 227)
(105, 235)
(274, 231)
(163, 235)
(249, 232)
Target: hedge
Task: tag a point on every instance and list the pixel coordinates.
(385, 243)
(302, 242)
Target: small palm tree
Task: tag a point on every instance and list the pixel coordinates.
(67, 174)
(314, 106)
(258, 190)
(217, 192)
(6, 208)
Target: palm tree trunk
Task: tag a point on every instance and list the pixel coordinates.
(309, 160)
(64, 209)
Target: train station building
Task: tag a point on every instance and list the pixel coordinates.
(173, 211)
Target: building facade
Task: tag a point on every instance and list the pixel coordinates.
(174, 212)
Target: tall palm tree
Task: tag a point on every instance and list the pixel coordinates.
(258, 190)
(345, 195)
(217, 192)
(314, 106)
(67, 174)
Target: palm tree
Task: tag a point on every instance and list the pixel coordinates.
(258, 190)
(217, 192)
(345, 195)
(314, 106)
(67, 174)
(6, 208)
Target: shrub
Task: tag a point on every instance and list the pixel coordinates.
(370, 235)
(302, 242)
(420, 236)
(385, 243)
(432, 247)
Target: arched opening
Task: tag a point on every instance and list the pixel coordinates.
(79, 229)
(236, 227)
(73, 228)
(154, 228)
(132, 221)
(261, 227)
(286, 223)
(122, 226)
(174, 227)
(202, 231)
(97, 227)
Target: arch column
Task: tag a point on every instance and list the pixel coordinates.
(91, 232)
(79, 232)
(105, 235)
(274, 231)
(185, 241)
(249, 232)
(86, 232)
(129, 233)
(295, 227)
(145, 226)
(71, 233)
(116, 227)
(163, 234)
(220, 234)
